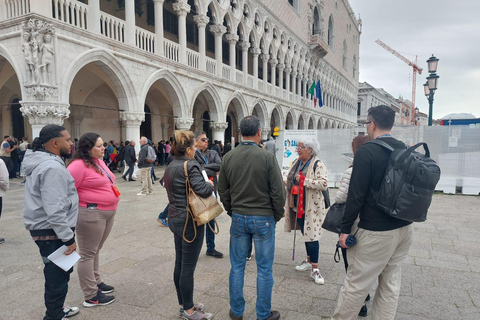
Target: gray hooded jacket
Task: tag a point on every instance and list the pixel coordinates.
(51, 200)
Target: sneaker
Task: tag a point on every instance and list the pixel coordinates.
(249, 254)
(214, 253)
(198, 307)
(150, 193)
(105, 288)
(315, 274)
(70, 311)
(234, 317)
(124, 178)
(163, 222)
(363, 311)
(2, 240)
(197, 315)
(100, 300)
(305, 266)
(274, 315)
(141, 194)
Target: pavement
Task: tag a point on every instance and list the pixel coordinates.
(440, 279)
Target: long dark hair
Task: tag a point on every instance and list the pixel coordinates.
(49, 132)
(85, 144)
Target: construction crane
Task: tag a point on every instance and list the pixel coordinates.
(415, 70)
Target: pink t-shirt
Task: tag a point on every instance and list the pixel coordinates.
(167, 148)
(93, 187)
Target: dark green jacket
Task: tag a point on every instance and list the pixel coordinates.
(250, 182)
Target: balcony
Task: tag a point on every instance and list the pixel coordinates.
(317, 45)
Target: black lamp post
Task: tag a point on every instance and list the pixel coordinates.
(431, 85)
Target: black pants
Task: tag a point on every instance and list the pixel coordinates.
(56, 281)
(10, 167)
(186, 257)
(1, 203)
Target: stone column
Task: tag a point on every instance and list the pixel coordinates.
(132, 121)
(273, 64)
(93, 18)
(41, 113)
(182, 9)
(201, 20)
(299, 84)
(265, 58)
(255, 52)
(294, 76)
(158, 4)
(281, 67)
(183, 124)
(130, 22)
(305, 82)
(288, 71)
(218, 130)
(232, 40)
(218, 30)
(265, 133)
(245, 45)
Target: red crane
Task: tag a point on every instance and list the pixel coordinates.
(415, 70)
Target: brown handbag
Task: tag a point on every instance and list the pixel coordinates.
(201, 210)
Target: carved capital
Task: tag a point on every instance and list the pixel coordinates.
(43, 113)
(281, 66)
(255, 51)
(201, 20)
(159, 1)
(181, 8)
(219, 126)
(132, 119)
(183, 123)
(41, 92)
(244, 45)
(265, 57)
(288, 70)
(231, 38)
(273, 62)
(265, 131)
(218, 29)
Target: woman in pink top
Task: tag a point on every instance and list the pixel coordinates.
(98, 201)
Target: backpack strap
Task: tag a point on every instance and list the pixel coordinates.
(382, 144)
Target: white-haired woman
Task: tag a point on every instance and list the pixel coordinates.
(305, 207)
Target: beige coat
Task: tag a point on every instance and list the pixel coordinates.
(314, 203)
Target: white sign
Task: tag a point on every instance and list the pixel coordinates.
(453, 142)
(290, 141)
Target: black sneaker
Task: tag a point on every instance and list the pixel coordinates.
(363, 311)
(100, 300)
(105, 288)
(214, 253)
(2, 240)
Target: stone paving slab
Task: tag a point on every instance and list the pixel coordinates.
(440, 279)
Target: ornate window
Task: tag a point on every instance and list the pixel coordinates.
(331, 32)
(344, 54)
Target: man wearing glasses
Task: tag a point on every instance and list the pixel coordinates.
(210, 162)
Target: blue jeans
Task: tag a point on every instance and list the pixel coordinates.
(312, 247)
(210, 236)
(56, 281)
(262, 230)
(164, 213)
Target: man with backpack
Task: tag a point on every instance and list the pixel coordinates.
(145, 160)
(383, 241)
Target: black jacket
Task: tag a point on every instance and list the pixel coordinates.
(175, 182)
(129, 154)
(211, 163)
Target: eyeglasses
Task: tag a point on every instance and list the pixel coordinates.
(368, 122)
(204, 139)
(300, 148)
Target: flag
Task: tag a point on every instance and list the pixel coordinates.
(318, 94)
(311, 91)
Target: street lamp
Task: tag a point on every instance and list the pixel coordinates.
(431, 85)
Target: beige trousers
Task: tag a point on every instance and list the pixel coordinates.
(146, 180)
(377, 255)
(93, 228)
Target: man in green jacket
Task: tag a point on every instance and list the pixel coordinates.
(251, 189)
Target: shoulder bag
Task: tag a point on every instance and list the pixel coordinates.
(333, 219)
(201, 210)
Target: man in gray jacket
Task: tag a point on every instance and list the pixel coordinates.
(144, 166)
(51, 209)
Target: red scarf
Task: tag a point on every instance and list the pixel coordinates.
(300, 195)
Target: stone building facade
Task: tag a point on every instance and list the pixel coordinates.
(125, 68)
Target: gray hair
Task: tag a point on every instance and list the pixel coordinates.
(310, 143)
(249, 126)
(198, 134)
(144, 140)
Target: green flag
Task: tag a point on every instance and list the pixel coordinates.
(312, 89)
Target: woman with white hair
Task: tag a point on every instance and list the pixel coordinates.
(305, 206)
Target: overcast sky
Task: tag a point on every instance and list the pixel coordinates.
(448, 29)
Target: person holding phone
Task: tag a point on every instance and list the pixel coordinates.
(98, 200)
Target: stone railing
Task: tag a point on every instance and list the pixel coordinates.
(226, 72)
(15, 8)
(211, 65)
(170, 49)
(192, 58)
(239, 76)
(112, 27)
(70, 11)
(145, 40)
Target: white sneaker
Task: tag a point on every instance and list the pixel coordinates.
(304, 266)
(70, 311)
(141, 194)
(315, 274)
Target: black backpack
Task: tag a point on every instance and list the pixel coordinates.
(410, 179)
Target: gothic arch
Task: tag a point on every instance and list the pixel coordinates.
(238, 101)
(114, 70)
(174, 89)
(213, 100)
(278, 109)
(261, 112)
(7, 55)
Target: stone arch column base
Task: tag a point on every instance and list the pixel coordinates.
(41, 113)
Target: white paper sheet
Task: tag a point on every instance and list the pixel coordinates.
(63, 261)
(205, 176)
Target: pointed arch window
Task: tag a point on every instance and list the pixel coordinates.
(331, 32)
(345, 50)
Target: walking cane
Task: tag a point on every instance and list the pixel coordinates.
(294, 238)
